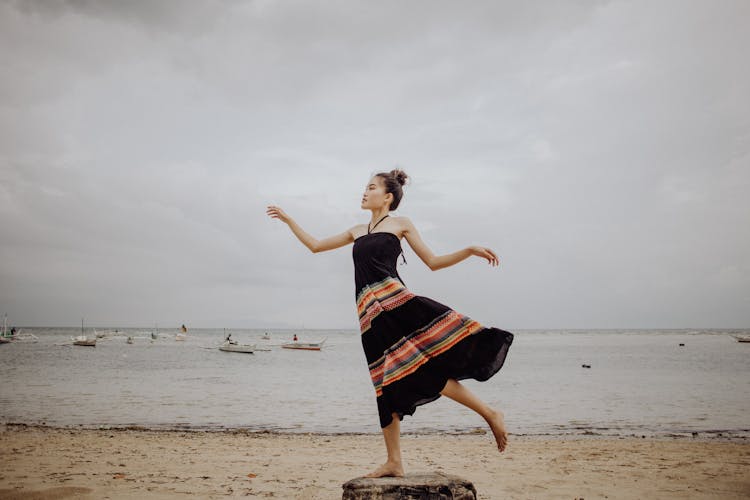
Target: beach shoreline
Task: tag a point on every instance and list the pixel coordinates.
(129, 463)
(732, 436)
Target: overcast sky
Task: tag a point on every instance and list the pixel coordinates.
(602, 149)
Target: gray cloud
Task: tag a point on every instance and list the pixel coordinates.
(602, 148)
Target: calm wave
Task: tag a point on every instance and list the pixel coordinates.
(640, 382)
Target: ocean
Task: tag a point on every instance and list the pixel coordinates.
(640, 382)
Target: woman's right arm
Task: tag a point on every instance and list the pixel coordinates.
(313, 244)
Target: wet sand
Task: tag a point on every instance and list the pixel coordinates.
(47, 463)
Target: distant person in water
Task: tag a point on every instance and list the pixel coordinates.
(417, 349)
(295, 339)
(184, 329)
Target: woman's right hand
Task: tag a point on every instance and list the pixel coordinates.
(277, 213)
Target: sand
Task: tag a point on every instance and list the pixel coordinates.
(47, 463)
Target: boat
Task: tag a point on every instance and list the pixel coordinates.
(230, 345)
(15, 335)
(83, 340)
(305, 346)
(182, 334)
(25, 337)
(5, 336)
(233, 346)
(742, 338)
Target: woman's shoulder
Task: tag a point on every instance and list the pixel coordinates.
(403, 221)
(400, 218)
(358, 230)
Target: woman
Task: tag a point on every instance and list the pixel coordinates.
(417, 349)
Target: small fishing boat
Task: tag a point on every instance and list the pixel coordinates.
(305, 346)
(742, 338)
(230, 345)
(25, 337)
(82, 340)
(16, 336)
(5, 336)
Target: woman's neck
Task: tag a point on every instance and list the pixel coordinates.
(378, 214)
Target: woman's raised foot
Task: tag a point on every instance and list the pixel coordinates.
(497, 424)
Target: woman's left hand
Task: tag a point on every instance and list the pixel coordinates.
(485, 253)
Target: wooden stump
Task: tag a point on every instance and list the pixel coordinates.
(433, 486)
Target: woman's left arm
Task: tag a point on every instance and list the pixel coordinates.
(435, 262)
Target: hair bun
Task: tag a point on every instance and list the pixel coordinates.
(400, 176)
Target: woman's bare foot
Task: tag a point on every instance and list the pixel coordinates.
(497, 424)
(388, 469)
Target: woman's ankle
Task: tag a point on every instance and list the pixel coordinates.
(491, 414)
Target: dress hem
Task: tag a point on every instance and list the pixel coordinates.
(480, 374)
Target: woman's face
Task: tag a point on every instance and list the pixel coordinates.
(375, 195)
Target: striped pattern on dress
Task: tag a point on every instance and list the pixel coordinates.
(382, 296)
(404, 357)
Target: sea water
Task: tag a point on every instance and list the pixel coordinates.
(640, 382)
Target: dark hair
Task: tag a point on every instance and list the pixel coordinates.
(393, 181)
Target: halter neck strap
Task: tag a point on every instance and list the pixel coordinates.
(371, 229)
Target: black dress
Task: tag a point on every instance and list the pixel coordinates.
(413, 344)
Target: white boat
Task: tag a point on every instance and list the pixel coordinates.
(742, 338)
(233, 346)
(82, 340)
(25, 337)
(5, 336)
(182, 334)
(305, 346)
